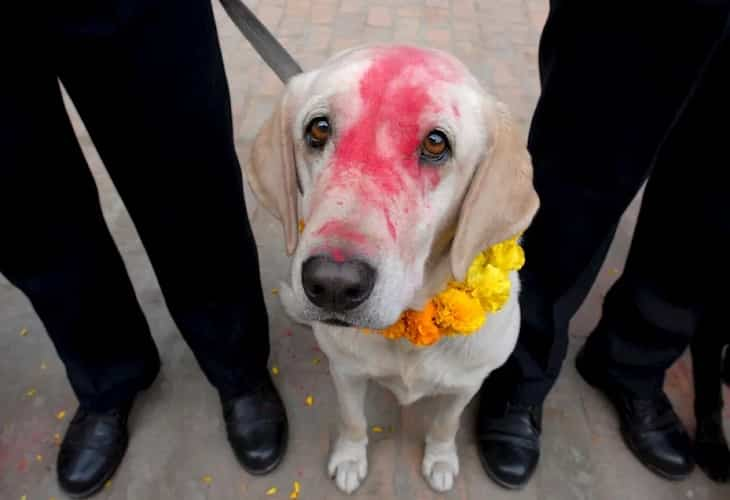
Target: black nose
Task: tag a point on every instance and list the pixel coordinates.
(337, 286)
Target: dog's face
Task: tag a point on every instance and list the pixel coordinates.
(394, 158)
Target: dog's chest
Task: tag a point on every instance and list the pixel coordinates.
(413, 375)
(409, 372)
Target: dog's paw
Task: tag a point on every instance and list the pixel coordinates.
(440, 465)
(348, 464)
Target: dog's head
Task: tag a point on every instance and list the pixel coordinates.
(401, 166)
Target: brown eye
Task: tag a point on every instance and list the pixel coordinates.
(318, 132)
(435, 147)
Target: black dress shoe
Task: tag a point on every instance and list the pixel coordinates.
(508, 442)
(92, 449)
(649, 427)
(711, 449)
(257, 428)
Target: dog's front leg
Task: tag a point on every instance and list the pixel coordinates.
(440, 460)
(348, 462)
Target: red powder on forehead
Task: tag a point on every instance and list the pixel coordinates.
(391, 226)
(394, 94)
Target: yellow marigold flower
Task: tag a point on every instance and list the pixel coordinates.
(295, 491)
(309, 400)
(476, 265)
(458, 310)
(506, 255)
(61, 415)
(272, 491)
(494, 288)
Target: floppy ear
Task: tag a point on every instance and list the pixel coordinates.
(271, 171)
(501, 200)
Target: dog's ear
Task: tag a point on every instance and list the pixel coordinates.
(501, 200)
(271, 171)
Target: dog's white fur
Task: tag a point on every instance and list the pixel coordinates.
(423, 237)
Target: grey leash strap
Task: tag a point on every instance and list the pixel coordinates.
(268, 47)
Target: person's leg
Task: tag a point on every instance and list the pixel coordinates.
(58, 251)
(56, 247)
(665, 294)
(655, 307)
(155, 99)
(612, 84)
(611, 88)
(711, 448)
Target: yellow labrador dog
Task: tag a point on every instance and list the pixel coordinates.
(403, 168)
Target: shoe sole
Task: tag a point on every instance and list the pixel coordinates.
(501, 482)
(624, 433)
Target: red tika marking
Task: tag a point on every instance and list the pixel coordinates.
(391, 96)
(337, 255)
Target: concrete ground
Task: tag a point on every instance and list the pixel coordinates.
(178, 448)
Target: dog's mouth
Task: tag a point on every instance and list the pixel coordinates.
(337, 322)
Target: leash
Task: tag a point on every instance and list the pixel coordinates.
(267, 46)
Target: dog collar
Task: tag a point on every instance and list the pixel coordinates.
(463, 307)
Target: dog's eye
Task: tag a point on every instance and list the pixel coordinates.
(435, 148)
(318, 132)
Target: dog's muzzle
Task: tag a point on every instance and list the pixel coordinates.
(337, 286)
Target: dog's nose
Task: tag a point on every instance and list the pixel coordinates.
(337, 286)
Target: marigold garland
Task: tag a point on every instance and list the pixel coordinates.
(463, 307)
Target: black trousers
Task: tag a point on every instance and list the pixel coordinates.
(147, 78)
(630, 91)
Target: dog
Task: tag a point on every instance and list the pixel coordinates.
(402, 169)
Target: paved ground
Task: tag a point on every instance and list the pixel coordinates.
(178, 450)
